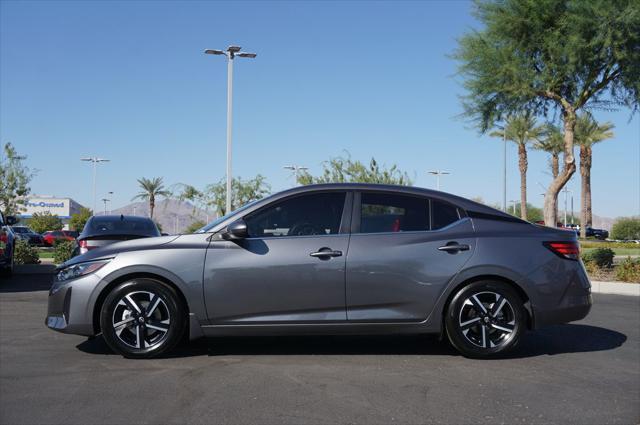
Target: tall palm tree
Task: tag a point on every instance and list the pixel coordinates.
(151, 188)
(552, 143)
(587, 133)
(521, 129)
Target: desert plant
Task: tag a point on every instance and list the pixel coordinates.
(626, 228)
(63, 251)
(628, 270)
(25, 253)
(602, 257)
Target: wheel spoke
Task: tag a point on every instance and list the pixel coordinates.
(140, 331)
(497, 307)
(469, 323)
(159, 326)
(476, 302)
(153, 304)
(484, 336)
(131, 303)
(504, 328)
(122, 323)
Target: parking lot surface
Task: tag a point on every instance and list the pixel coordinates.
(584, 372)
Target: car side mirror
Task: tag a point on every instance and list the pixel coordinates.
(235, 231)
(11, 220)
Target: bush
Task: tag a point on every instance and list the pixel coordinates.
(42, 222)
(613, 245)
(63, 251)
(78, 220)
(628, 270)
(25, 253)
(626, 228)
(602, 257)
(198, 224)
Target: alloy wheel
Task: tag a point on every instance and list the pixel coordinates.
(141, 320)
(487, 319)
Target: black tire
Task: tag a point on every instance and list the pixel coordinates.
(485, 319)
(144, 335)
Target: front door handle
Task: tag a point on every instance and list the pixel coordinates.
(453, 247)
(326, 252)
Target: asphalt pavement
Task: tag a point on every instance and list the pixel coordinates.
(584, 372)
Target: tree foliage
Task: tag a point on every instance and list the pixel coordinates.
(626, 228)
(242, 192)
(151, 189)
(15, 177)
(544, 55)
(43, 222)
(78, 220)
(346, 170)
(533, 213)
(553, 143)
(195, 226)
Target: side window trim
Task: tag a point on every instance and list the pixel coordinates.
(344, 219)
(357, 214)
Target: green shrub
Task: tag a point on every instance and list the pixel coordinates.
(63, 251)
(25, 253)
(42, 222)
(626, 228)
(602, 257)
(628, 270)
(196, 225)
(613, 245)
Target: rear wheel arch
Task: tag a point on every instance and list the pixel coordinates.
(97, 308)
(490, 277)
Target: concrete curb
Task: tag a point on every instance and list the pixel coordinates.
(618, 288)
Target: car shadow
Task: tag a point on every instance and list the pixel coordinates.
(31, 282)
(559, 339)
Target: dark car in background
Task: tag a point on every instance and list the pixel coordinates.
(52, 236)
(597, 233)
(104, 230)
(26, 234)
(7, 244)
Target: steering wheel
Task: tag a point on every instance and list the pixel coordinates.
(305, 229)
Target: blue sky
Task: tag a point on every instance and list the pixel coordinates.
(128, 81)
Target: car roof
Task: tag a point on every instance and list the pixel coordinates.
(119, 218)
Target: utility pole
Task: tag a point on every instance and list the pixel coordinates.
(565, 190)
(95, 160)
(230, 53)
(513, 204)
(438, 173)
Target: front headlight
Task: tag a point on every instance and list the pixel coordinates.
(80, 269)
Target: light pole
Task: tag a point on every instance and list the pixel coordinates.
(565, 190)
(95, 161)
(296, 170)
(438, 173)
(105, 200)
(230, 53)
(513, 204)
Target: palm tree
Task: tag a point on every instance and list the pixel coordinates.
(521, 129)
(587, 133)
(150, 189)
(553, 144)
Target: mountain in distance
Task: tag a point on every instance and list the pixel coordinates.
(173, 215)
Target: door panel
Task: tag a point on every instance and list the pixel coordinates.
(275, 280)
(399, 276)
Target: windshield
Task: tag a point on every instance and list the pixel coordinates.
(21, 230)
(217, 221)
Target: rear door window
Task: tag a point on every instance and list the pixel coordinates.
(383, 212)
(443, 214)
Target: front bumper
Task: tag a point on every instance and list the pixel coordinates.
(70, 306)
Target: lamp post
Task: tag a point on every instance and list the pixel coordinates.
(95, 160)
(231, 53)
(105, 200)
(565, 190)
(438, 173)
(513, 204)
(296, 170)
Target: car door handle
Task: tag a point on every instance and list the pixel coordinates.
(454, 247)
(326, 252)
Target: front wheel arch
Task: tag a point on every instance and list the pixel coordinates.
(97, 308)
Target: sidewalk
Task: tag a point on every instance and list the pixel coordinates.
(619, 288)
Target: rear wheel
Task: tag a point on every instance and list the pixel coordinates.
(485, 319)
(142, 318)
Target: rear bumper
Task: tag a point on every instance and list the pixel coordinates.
(566, 298)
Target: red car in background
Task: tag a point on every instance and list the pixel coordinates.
(52, 236)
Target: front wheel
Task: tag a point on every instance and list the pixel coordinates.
(485, 319)
(142, 318)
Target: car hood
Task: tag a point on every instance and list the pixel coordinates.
(115, 248)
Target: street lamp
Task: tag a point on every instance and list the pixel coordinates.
(566, 190)
(438, 173)
(296, 170)
(504, 167)
(230, 53)
(95, 161)
(105, 200)
(513, 204)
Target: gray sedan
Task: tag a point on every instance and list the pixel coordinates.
(330, 259)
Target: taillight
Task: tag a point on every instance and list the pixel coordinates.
(569, 250)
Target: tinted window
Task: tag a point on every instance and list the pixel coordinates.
(393, 213)
(116, 226)
(315, 214)
(442, 214)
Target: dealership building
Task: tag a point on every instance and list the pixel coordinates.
(62, 207)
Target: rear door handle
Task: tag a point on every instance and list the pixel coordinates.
(454, 247)
(326, 252)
